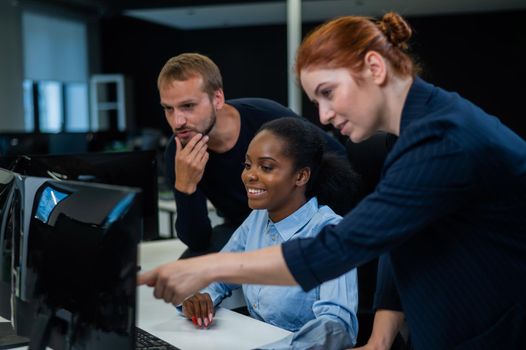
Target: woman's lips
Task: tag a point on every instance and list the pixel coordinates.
(255, 192)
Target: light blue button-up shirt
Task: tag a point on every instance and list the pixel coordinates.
(326, 315)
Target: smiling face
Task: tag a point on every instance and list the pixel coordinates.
(270, 179)
(351, 107)
(188, 109)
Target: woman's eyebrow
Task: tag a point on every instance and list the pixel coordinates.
(267, 158)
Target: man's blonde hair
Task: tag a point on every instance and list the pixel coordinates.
(188, 65)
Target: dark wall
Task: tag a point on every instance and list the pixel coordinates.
(481, 56)
(252, 60)
(139, 49)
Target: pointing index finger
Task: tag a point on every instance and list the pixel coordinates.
(148, 278)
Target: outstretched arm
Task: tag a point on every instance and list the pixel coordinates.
(175, 281)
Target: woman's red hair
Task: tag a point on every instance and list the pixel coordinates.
(343, 43)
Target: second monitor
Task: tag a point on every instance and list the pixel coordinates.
(133, 169)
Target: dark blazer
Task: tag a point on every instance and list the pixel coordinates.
(450, 212)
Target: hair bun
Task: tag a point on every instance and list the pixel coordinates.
(396, 29)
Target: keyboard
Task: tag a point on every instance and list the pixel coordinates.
(148, 341)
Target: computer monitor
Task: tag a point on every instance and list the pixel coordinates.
(74, 278)
(135, 169)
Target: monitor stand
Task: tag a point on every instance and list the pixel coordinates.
(8, 337)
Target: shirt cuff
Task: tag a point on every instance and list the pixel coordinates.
(298, 266)
(180, 194)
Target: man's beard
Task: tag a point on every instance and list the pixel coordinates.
(213, 118)
(206, 130)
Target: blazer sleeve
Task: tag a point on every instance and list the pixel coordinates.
(428, 178)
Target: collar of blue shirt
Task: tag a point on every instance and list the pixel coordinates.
(297, 220)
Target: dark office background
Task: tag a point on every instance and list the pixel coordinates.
(481, 56)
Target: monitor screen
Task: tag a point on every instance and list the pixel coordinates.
(74, 279)
(134, 169)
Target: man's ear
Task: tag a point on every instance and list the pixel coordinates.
(376, 66)
(218, 99)
(302, 177)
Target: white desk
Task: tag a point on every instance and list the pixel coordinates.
(229, 330)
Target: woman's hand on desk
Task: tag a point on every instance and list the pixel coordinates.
(200, 309)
